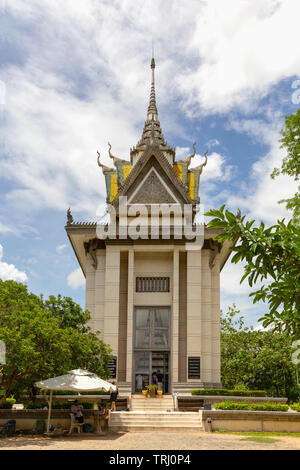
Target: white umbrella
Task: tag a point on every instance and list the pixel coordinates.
(76, 380)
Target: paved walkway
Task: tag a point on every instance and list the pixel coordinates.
(148, 441)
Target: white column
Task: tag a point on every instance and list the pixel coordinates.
(175, 317)
(130, 315)
(100, 292)
(194, 329)
(206, 343)
(90, 290)
(215, 318)
(112, 288)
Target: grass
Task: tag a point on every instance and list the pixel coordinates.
(260, 433)
(269, 440)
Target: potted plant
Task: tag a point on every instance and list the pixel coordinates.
(145, 393)
(152, 390)
(159, 393)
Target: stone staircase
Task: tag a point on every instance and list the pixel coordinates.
(141, 421)
(154, 414)
(139, 403)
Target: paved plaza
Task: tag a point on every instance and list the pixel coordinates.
(150, 441)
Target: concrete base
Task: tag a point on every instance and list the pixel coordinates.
(251, 421)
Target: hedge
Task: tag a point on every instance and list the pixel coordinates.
(226, 392)
(296, 407)
(56, 405)
(7, 405)
(232, 405)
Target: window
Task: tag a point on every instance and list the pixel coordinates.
(152, 328)
(194, 367)
(153, 284)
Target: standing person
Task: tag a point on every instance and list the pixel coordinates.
(77, 411)
(154, 378)
(113, 397)
(160, 377)
(33, 391)
(139, 382)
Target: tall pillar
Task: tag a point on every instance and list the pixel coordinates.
(130, 315)
(99, 292)
(216, 327)
(175, 317)
(206, 346)
(194, 330)
(90, 290)
(111, 310)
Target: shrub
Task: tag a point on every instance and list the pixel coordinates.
(231, 405)
(226, 392)
(296, 407)
(7, 405)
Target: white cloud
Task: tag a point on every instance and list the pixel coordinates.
(5, 228)
(66, 102)
(182, 152)
(216, 168)
(261, 194)
(10, 272)
(61, 248)
(212, 143)
(242, 51)
(76, 279)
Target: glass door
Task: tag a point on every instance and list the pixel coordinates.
(160, 369)
(151, 348)
(142, 370)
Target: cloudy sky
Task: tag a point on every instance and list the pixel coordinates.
(75, 74)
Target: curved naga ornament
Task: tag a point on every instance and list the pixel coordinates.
(189, 158)
(115, 159)
(200, 167)
(105, 169)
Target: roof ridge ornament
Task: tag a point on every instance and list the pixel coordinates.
(189, 157)
(105, 169)
(70, 219)
(202, 165)
(115, 159)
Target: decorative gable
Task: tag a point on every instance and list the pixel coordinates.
(152, 190)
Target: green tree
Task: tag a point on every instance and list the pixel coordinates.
(290, 141)
(68, 312)
(40, 343)
(259, 360)
(271, 256)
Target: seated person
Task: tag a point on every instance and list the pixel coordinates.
(77, 411)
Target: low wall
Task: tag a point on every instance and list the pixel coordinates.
(236, 420)
(96, 399)
(194, 402)
(26, 419)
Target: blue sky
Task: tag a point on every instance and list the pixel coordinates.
(75, 75)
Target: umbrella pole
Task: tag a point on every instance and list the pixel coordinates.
(49, 410)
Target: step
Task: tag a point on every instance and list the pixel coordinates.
(149, 428)
(137, 421)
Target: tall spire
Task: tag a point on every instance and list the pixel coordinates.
(152, 109)
(152, 133)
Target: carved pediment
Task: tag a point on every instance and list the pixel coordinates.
(152, 190)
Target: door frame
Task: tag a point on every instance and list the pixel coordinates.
(150, 350)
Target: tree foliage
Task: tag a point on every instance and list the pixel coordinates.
(290, 141)
(256, 359)
(271, 256)
(45, 338)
